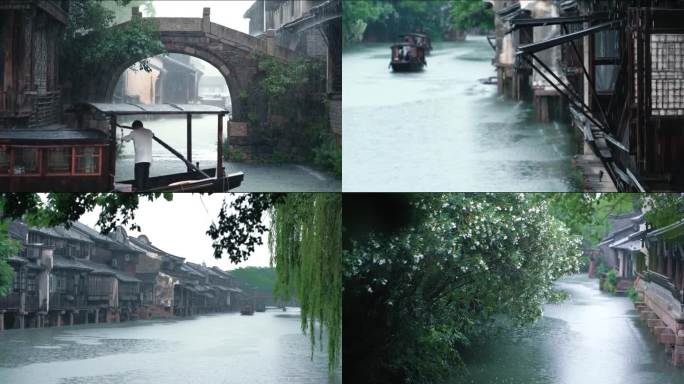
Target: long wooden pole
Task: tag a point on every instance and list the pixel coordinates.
(112, 150)
(219, 159)
(189, 138)
(190, 165)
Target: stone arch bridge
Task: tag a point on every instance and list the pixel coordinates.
(226, 49)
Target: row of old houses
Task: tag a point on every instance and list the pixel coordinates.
(80, 276)
(612, 68)
(651, 260)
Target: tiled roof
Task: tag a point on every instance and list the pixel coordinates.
(189, 270)
(69, 263)
(107, 270)
(147, 277)
(97, 236)
(17, 229)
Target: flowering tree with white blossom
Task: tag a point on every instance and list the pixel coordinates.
(429, 288)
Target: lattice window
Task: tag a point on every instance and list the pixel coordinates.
(667, 75)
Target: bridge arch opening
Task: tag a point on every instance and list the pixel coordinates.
(174, 78)
(106, 90)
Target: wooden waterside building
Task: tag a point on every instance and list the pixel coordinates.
(67, 276)
(615, 68)
(660, 288)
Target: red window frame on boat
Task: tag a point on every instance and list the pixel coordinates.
(75, 156)
(70, 161)
(13, 161)
(8, 158)
(5, 156)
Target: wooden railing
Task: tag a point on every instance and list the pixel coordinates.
(129, 297)
(666, 283)
(61, 300)
(42, 109)
(46, 109)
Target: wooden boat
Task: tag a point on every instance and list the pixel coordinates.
(407, 58)
(418, 39)
(492, 80)
(81, 157)
(54, 159)
(247, 310)
(194, 179)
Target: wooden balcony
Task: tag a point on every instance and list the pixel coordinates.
(11, 301)
(129, 297)
(61, 300)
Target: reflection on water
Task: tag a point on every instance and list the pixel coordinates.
(591, 338)
(441, 130)
(258, 177)
(267, 348)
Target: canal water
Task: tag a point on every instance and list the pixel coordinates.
(442, 130)
(258, 177)
(267, 348)
(592, 337)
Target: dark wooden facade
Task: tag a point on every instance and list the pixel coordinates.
(30, 36)
(79, 276)
(37, 152)
(621, 74)
(661, 288)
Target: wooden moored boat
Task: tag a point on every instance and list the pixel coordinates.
(54, 159)
(194, 179)
(81, 157)
(418, 39)
(407, 57)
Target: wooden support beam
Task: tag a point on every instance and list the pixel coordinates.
(112, 149)
(189, 139)
(219, 158)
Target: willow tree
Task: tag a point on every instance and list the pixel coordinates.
(305, 240)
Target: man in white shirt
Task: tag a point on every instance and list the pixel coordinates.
(142, 141)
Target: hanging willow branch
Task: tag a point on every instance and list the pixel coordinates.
(305, 240)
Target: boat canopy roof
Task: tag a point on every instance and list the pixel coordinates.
(414, 34)
(399, 45)
(155, 109)
(51, 134)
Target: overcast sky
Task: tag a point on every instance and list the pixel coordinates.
(227, 13)
(179, 227)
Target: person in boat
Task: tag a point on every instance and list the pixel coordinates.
(142, 141)
(407, 53)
